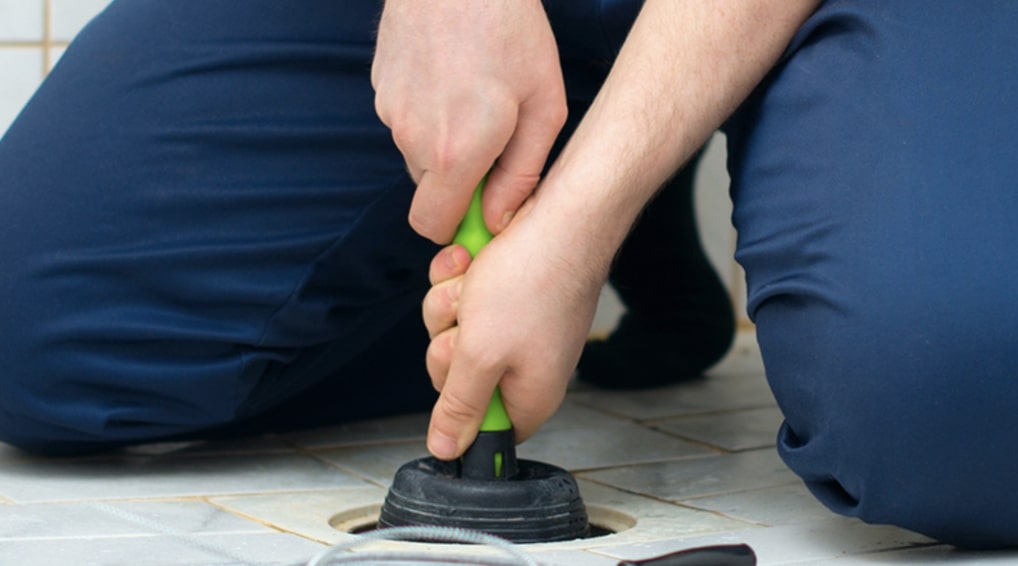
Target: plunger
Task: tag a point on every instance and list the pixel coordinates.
(488, 489)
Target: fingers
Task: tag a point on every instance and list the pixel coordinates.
(446, 274)
(440, 308)
(450, 262)
(463, 400)
(442, 198)
(449, 158)
(519, 167)
(439, 355)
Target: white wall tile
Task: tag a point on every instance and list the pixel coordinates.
(21, 72)
(67, 17)
(55, 53)
(21, 20)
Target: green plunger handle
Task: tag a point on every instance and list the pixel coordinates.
(473, 235)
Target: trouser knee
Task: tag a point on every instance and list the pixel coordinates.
(897, 423)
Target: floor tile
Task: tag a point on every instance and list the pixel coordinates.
(377, 463)
(613, 443)
(229, 447)
(21, 20)
(402, 428)
(685, 479)
(782, 505)
(136, 477)
(655, 519)
(160, 550)
(571, 415)
(733, 431)
(67, 17)
(709, 395)
(818, 541)
(572, 558)
(22, 73)
(55, 54)
(308, 514)
(112, 519)
(743, 358)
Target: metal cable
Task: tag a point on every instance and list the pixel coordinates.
(341, 553)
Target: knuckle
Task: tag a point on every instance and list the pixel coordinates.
(428, 314)
(483, 360)
(382, 111)
(402, 134)
(446, 155)
(439, 353)
(558, 112)
(436, 363)
(438, 307)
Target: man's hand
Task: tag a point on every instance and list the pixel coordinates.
(467, 86)
(524, 310)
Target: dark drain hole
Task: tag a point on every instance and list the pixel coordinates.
(595, 531)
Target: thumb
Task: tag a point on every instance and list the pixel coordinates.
(460, 408)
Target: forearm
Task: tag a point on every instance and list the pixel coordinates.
(684, 69)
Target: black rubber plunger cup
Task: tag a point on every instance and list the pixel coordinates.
(488, 489)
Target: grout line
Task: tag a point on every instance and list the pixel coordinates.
(365, 443)
(125, 536)
(11, 44)
(735, 411)
(642, 463)
(716, 448)
(247, 517)
(689, 502)
(719, 514)
(651, 422)
(266, 523)
(330, 464)
(47, 38)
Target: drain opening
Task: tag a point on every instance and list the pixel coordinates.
(604, 521)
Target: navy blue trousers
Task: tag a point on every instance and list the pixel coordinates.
(875, 179)
(203, 230)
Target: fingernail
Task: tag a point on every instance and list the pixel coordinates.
(450, 258)
(506, 219)
(441, 446)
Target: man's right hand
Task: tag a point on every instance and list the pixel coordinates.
(467, 86)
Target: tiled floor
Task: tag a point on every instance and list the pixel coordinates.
(683, 466)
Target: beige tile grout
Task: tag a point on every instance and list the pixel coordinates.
(46, 36)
